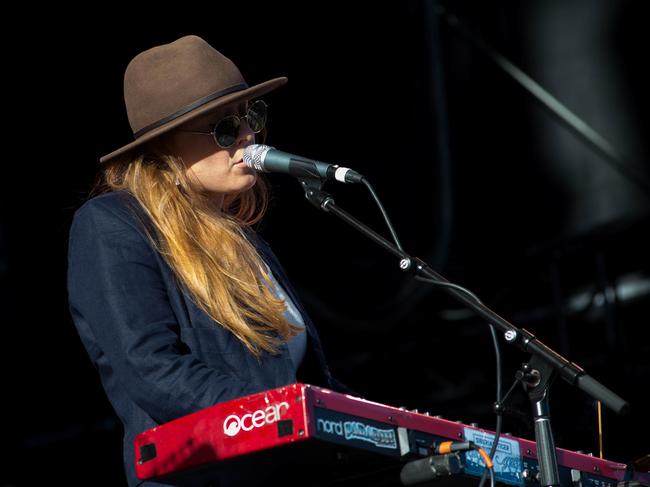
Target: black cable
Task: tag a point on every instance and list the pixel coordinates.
(489, 467)
(449, 285)
(495, 340)
(383, 212)
(498, 412)
(497, 354)
(334, 316)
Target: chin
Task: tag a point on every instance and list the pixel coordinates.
(244, 184)
(252, 179)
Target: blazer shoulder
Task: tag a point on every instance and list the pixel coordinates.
(114, 211)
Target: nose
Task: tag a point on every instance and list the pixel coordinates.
(245, 133)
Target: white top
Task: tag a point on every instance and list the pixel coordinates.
(297, 344)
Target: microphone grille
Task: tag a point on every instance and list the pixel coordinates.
(254, 156)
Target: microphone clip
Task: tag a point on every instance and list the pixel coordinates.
(313, 188)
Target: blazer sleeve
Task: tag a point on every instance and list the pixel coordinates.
(116, 287)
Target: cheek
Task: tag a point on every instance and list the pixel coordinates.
(210, 166)
(217, 174)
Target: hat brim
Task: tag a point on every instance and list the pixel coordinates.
(246, 94)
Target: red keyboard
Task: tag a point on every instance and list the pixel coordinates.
(312, 426)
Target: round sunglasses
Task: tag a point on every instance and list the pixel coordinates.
(226, 130)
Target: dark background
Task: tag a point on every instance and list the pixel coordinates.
(479, 180)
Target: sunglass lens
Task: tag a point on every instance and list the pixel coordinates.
(226, 131)
(257, 116)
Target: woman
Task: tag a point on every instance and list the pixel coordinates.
(178, 302)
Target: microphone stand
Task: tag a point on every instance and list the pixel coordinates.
(545, 364)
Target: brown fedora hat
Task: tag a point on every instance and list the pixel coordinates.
(169, 85)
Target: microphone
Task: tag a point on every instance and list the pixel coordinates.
(430, 468)
(264, 158)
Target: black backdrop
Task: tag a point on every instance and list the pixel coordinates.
(461, 156)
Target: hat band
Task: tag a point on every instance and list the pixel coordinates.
(190, 107)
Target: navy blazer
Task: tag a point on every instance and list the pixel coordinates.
(158, 355)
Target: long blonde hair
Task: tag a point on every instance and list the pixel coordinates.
(207, 250)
